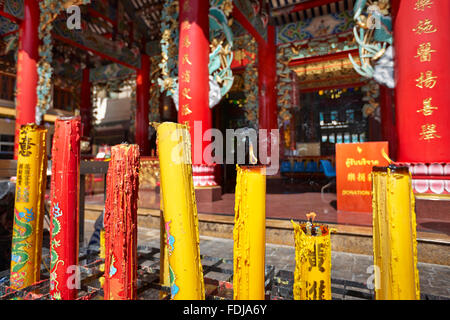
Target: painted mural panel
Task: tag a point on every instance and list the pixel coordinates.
(315, 27)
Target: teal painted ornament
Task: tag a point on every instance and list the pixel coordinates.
(220, 59)
(373, 34)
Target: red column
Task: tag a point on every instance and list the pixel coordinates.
(422, 48)
(64, 195)
(193, 73)
(388, 130)
(86, 104)
(27, 76)
(267, 77)
(142, 110)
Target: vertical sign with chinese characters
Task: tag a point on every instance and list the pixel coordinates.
(193, 72)
(354, 162)
(26, 248)
(422, 45)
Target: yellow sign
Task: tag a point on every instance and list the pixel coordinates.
(29, 207)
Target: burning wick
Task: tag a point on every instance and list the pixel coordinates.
(253, 159)
(310, 216)
(385, 156)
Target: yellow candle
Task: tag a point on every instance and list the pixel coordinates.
(395, 244)
(29, 207)
(312, 275)
(180, 212)
(164, 276)
(381, 252)
(249, 233)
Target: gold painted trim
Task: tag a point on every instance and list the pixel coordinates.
(432, 196)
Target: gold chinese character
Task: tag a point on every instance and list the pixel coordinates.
(428, 132)
(185, 110)
(187, 6)
(427, 80)
(421, 4)
(424, 52)
(186, 92)
(427, 108)
(186, 76)
(186, 59)
(186, 25)
(424, 27)
(186, 42)
(351, 177)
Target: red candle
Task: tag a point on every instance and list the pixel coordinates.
(121, 223)
(64, 208)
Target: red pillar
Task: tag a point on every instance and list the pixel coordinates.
(27, 76)
(142, 110)
(86, 105)
(193, 73)
(64, 196)
(388, 130)
(267, 73)
(422, 48)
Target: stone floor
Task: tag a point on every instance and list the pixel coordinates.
(431, 216)
(434, 279)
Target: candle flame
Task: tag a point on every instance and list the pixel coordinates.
(384, 154)
(311, 215)
(253, 159)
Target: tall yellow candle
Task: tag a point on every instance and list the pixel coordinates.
(180, 212)
(164, 276)
(381, 252)
(29, 207)
(249, 233)
(394, 229)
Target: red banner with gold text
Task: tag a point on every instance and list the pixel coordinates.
(422, 49)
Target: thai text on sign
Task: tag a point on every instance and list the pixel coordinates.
(354, 164)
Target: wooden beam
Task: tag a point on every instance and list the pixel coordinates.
(97, 14)
(129, 8)
(342, 86)
(98, 53)
(331, 56)
(301, 7)
(9, 33)
(10, 17)
(242, 19)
